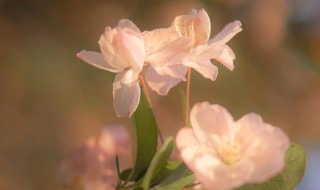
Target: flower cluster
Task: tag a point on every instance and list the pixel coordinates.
(222, 153)
(164, 54)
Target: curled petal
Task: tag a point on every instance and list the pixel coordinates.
(202, 27)
(123, 46)
(226, 57)
(126, 97)
(160, 83)
(199, 59)
(227, 33)
(128, 24)
(97, 60)
(205, 68)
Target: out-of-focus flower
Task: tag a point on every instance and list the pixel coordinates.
(225, 154)
(122, 52)
(92, 165)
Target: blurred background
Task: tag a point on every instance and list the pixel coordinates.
(50, 101)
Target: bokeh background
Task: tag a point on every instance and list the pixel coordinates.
(50, 101)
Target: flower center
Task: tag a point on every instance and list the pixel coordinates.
(229, 152)
(184, 25)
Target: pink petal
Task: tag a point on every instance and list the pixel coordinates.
(204, 67)
(160, 83)
(175, 71)
(209, 119)
(186, 138)
(202, 27)
(123, 47)
(228, 32)
(97, 60)
(163, 46)
(226, 57)
(126, 97)
(156, 39)
(128, 24)
(265, 146)
(130, 76)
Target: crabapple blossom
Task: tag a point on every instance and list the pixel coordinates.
(194, 50)
(122, 52)
(92, 165)
(197, 25)
(225, 154)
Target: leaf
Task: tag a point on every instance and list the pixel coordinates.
(158, 162)
(146, 137)
(118, 172)
(125, 174)
(179, 178)
(290, 177)
(169, 167)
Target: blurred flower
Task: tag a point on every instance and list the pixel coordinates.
(92, 165)
(224, 154)
(123, 52)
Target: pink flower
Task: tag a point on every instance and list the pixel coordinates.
(122, 52)
(186, 44)
(197, 26)
(225, 154)
(163, 57)
(92, 165)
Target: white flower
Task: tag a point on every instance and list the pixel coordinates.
(225, 154)
(197, 25)
(122, 52)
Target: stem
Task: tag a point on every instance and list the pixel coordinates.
(144, 86)
(188, 97)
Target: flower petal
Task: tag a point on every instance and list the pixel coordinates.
(210, 119)
(202, 27)
(130, 76)
(175, 71)
(226, 57)
(163, 46)
(160, 83)
(128, 24)
(126, 97)
(123, 46)
(265, 146)
(228, 32)
(96, 59)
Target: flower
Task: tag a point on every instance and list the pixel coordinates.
(225, 154)
(92, 165)
(186, 44)
(197, 25)
(122, 52)
(163, 57)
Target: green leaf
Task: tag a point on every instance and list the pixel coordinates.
(125, 174)
(290, 177)
(179, 178)
(158, 162)
(169, 167)
(118, 171)
(146, 137)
